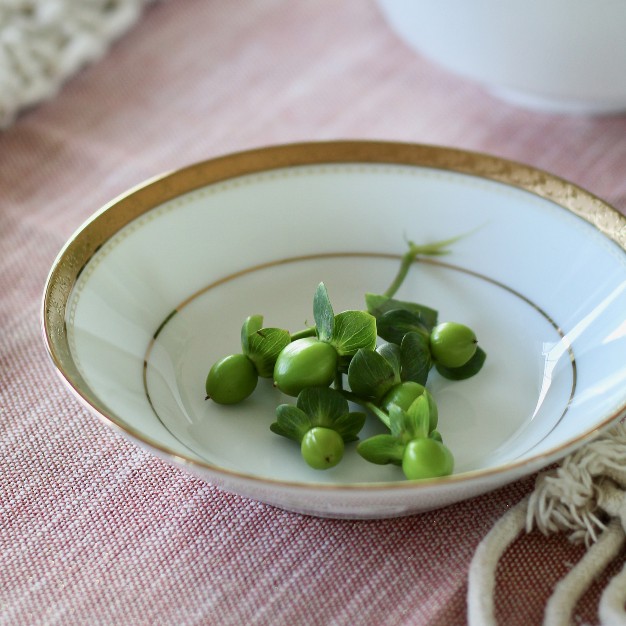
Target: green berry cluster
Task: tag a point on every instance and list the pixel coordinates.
(379, 358)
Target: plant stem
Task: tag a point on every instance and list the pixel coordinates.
(377, 411)
(338, 381)
(437, 248)
(306, 332)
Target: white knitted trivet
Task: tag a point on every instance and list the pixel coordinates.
(44, 42)
(586, 497)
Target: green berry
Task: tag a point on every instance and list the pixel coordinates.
(402, 395)
(452, 345)
(232, 379)
(322, 448)
(305, 363)
(426, 458)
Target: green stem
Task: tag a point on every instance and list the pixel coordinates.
(377, 411)
(436, 248)
(306, 332)
(338, 381)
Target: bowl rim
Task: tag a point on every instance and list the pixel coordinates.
(88, 238)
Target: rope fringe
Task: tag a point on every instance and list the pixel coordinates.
(44, 42)
(566, 499)
(585, 497)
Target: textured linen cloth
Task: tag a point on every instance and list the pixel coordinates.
(95, 530)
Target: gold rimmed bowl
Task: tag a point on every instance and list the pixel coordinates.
(153, 289)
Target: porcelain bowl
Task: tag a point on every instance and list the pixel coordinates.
(154, 288)
(563, 56)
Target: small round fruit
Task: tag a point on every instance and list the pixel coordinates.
(322, 448)
(232, 379)
(452, 345)
(304, 363)
(426, 458)
(403, 395)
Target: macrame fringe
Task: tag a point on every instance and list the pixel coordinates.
(44, 42)
(584, 497)
(562, 603)
(482, 572)
(611, 609)
(566, 499)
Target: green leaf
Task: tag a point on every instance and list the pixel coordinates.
(349, 425)
(391, 353)
(323, 313)
(419, 414)
(472, 367)
(436, 435)
(318, 406)
(433, 411)
(393, 325)
(264, 346)
(250, 326)
(370, 375)
(378, 305)
(353, 330)
(434, 248)
(415, 358)
(291, 422)
(323, 405)
(382, 449)
(400, 423)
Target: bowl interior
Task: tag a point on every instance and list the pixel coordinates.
(165, 296)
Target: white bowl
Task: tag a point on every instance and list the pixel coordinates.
(564, 56)
(154, 288)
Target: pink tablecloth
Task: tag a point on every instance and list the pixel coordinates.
(94, 530)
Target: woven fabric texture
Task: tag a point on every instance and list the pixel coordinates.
(95, 530)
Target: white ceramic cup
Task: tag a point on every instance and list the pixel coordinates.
(563, 56)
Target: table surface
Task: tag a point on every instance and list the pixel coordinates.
(93, 529)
